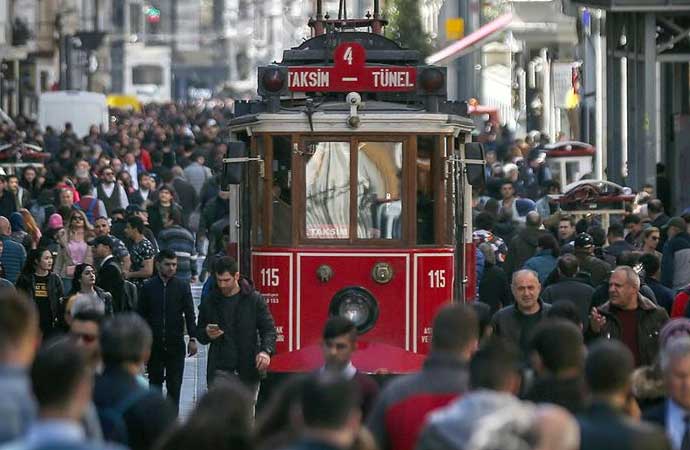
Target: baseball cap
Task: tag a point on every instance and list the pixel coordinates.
(676, 222)
(583, 240)
(102, 240)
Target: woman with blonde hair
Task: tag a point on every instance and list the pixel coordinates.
(650, 240)
(31, 227)
(74, 248)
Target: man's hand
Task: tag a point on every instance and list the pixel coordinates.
(596, 321)
(192, 348)
(213, 332)
(262, 361)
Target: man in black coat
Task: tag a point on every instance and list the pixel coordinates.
(109, 276)
(569, 288)
(234, 318)
(605, 425)
(165, 302)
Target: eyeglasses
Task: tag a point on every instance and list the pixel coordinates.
(87, 338)
(74, 219)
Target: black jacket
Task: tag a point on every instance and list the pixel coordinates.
(509, 323)
(55, 293)
(570, 289)
(147, 419)
(109, 278)
(167, 308)
(604, 428)
(494, 288)
(253, 330)
(569, 393)
(521, 248)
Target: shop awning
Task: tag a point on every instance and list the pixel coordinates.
(471, 42)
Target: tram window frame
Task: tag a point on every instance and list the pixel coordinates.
(439, 188)
(403, 185)
(270, 174)
(300, 170)
(299, 190)
(257, 190)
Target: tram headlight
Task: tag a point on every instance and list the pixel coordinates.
(431, 79)
(358, 305)
(273, 80)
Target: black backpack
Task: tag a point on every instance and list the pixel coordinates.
(112, 418)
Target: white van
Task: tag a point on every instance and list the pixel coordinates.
(81, 109)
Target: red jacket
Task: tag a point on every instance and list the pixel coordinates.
(680, 303)
(402, 408)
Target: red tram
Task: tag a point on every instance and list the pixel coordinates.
(355, 175)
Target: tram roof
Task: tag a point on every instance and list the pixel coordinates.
(374, 117)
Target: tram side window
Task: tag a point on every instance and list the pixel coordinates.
(281, 173)
(327, 191)
(379, 187)
(426, 145)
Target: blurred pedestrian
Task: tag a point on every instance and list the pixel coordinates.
(221, 420)
(339, 345)
(330, 413)
(494, 378)
(545, 259)
(605, 424)
(13, 254)
(675, 262)
(557, 354)
(19, 339)
(130, 414)
(569, 288)
(524, 245)
(141, 252)
(60, 410)
(404, 404)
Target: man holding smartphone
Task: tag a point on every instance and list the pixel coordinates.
(233, 317)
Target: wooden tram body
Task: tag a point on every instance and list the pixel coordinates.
(356, 187)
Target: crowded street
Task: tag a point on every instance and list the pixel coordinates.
(420, 226)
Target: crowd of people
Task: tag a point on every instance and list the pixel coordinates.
(579, 337)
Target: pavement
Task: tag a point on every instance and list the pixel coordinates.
(194, 380)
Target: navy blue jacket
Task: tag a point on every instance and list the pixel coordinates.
(13, 257)
(167, 308)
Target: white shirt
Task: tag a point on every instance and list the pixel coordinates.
(348, 372)
(675, 423)
(134, 173)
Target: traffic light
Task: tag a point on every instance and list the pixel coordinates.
(153, 15)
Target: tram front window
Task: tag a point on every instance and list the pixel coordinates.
(379, 186)
(327, 189)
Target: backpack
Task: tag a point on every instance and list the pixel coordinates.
(112, 418)
(90, 216)
(130, 297)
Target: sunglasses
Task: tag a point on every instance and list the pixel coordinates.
(87, 338)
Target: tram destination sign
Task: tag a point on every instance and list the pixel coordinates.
(350, 73)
